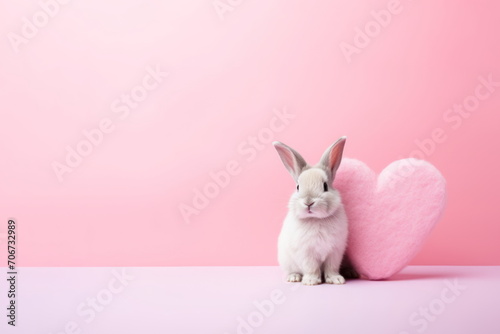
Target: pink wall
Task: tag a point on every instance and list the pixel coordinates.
(229, 76)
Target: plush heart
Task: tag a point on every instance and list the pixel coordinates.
(390, 215)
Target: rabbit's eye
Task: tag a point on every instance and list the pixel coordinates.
(325, 186)
(297, 187)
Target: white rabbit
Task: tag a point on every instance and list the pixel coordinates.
(313, 238)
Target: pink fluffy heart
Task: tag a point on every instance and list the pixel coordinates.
(390, 215)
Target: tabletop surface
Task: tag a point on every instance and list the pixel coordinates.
(420, 299)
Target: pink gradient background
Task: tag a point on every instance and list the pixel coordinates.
(121, 206)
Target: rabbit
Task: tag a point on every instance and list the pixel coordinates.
(313, 238)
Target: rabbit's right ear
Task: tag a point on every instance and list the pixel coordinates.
(292, 160)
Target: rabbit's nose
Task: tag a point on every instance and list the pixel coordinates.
(309, 205)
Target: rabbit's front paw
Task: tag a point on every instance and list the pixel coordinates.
(334, 279)
(311, 279)
(294, 277)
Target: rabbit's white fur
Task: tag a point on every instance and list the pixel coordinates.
(313, 238)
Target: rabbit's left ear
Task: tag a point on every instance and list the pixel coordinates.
(292, 160)
(333, 156)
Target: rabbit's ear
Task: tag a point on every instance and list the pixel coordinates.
(292, 160)
(333, 155)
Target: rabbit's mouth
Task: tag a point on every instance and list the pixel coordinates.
(309, 207)
(307, 213)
